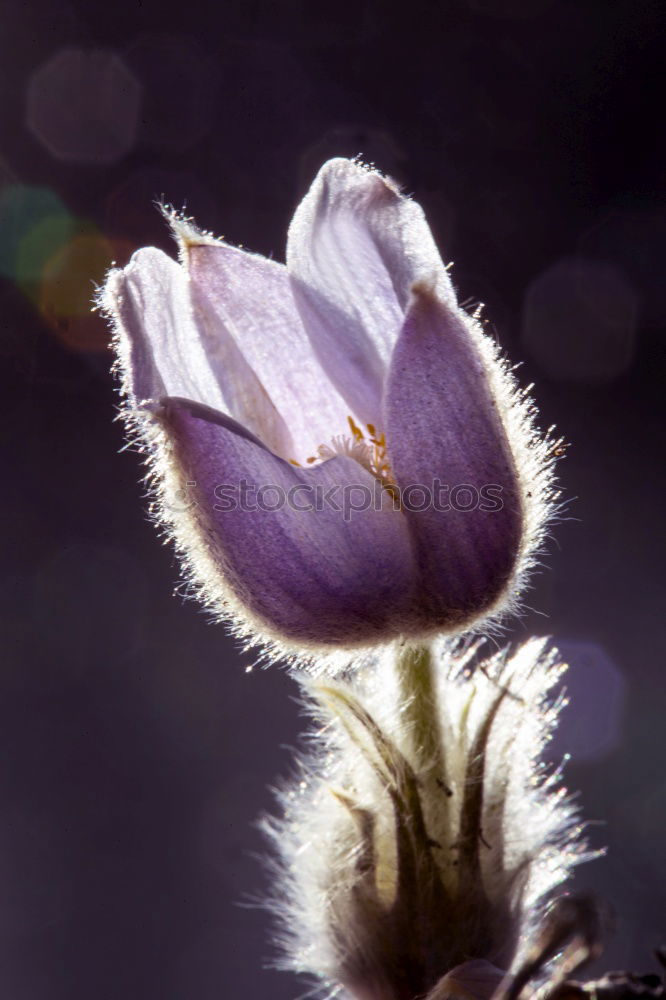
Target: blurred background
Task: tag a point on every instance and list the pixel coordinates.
(136, 750)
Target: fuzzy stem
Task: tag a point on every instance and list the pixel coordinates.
(418, 695)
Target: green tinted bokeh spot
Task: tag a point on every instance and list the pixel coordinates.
(34, 224)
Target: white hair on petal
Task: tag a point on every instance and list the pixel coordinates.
(424, 824)
(535, 455)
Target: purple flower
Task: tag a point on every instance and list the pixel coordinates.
(339, 452)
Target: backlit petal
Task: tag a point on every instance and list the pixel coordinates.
(167, 348)
(443, 427)
(249, 298)
(305, 574)
(354, 249)
(161, 350)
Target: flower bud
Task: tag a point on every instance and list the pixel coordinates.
(357, 460)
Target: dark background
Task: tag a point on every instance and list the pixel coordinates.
(135, 750)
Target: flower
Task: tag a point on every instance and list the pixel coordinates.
(336, 448)
(422, 837)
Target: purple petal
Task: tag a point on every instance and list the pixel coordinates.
(442, 426)
(305, 574)
(355, 248)
(167, 349)
(249, 299)
(160, 345)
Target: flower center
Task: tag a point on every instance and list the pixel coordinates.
(368, 448)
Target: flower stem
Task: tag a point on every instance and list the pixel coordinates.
(418, 696)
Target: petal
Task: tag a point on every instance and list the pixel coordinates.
(250, 298)
(355, 248)
(443, 430)
(307, 574)
(163, 352)
(166, 349)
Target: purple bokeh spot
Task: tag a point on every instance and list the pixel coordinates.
(83, 105)
(591, 724)
(633, 240)
(579, 320)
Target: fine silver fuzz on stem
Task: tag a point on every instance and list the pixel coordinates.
(423, 836)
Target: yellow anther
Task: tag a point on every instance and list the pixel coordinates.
(371, 428)
(356, 431)
(293, 461)
(311, 459)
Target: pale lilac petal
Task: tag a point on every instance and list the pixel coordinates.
(355, 248)
(305, 574)
(442, 424)
(249, 298)
(160, 343)
(169, 349)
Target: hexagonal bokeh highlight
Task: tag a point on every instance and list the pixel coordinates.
(579, 320)
(56, 259)
(591, 723)
(33, 223)
(67, 288)
(83, 106)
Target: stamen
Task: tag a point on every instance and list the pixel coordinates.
(356, 431)
(369, 452)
